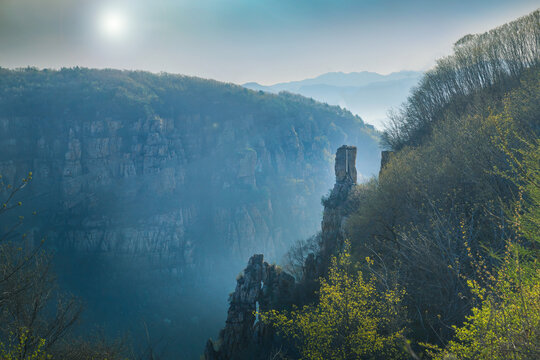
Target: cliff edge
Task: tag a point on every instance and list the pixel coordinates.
(262, 287)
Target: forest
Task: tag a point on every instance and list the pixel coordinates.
(440, 258)
(434, 258)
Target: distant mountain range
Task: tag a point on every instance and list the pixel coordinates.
(367, 94)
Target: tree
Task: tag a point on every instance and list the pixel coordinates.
(17, 349)
(35, 317)
(489, 61)
(295, 258)
(352, 320)
(31, 310)
(506, 323)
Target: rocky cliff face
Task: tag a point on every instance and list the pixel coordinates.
(165, 182)
(337, 207)
(131, 188)
(262, 287)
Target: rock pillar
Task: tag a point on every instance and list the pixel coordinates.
(345, 165)
(385, 158)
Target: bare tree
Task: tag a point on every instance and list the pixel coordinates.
(480, 61)
(295, 258)
(30, 302)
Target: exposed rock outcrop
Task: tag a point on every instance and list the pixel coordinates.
(260, 287)
(165, 184)
(345, 165)
(336, 210)
(264, 287)
(385, 158)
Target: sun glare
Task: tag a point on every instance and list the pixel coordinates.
(113, 24)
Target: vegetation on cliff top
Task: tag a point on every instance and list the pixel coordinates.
(351, 319)
(453, 219)
(482, 64)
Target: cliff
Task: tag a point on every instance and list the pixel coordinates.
(262, 287)
(154, 189)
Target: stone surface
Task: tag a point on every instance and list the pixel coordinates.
(336, 211)
(385, 158)
(153, 185)
(260, 287)
(264, 287)
(345, 165)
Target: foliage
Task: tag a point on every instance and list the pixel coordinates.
(522, 148)
(351, 320)
(434, 201)
(18, 348)
(492, 60)
(506, 324)
(36, 319)
(438, 220)
(31, 308)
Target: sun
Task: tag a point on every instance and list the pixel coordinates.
(113, 24)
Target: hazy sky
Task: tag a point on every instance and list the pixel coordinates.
(267, 41)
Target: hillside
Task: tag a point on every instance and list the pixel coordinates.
(367, 94)
(435, 258)
(153, 190)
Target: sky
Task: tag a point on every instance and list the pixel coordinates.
(267, 41)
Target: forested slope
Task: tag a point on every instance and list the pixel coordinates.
(447, 189)
(448, 232)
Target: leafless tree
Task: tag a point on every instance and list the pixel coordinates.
(295, 258)
(479, 62)
(29, 299)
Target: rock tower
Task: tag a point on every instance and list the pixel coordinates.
(345, 165)
(264, 287)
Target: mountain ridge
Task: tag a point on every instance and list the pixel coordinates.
(340, 78)
(367, 94)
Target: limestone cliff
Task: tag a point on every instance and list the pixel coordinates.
(263, 287)
(166, 183)
(336, 207)
(260, 287)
